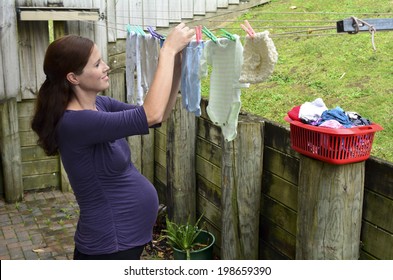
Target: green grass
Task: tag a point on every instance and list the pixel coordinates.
(342, 69)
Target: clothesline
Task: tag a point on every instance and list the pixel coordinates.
(232, 21)
(280, 13)
(309, 31)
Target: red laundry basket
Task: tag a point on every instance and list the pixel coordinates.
(335, 146)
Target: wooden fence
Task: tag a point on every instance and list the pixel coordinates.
(278, 212)
(269, 173)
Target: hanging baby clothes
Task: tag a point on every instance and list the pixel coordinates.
(141, 57)
(190, 80)
(226, 58)
(149, 48)
(260, 57)
(133, 64)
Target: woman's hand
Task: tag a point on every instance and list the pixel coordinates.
(163, 90)
(178, 38)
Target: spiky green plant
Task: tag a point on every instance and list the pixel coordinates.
(182, 236)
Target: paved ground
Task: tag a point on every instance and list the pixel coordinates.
(42, 226)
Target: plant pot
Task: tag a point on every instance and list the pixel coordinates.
(205, 253)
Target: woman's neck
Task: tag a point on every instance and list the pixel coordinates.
(78, 103)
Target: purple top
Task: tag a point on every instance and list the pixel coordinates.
(118, 205)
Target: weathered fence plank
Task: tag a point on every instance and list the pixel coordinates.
(43, 181)
(9, 50)
(379, 177)
(149, 13)
(27, 61)
(181, 135)
(279, 214)
(278, 238)
(282, 165)
(187, 9)
(241, 192)
(111, 20)
(10, 151)
(330, 210)
(279, 189)
(162, 13)
(211, 6)
(377, 208)
(222, 3)
(174, 11)
(100, 30)
(206, 169)
(376, 241)
(199, 7)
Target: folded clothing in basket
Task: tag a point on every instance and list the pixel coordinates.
(312, 111)
(316, 113)
(337, 114)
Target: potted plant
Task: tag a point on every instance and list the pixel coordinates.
(189, 242)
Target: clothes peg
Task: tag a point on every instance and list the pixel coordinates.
(140, 30)
(228, 35)
(129, 29)
(154, 33)
(209, 34)
(247, 27)
(198, 33)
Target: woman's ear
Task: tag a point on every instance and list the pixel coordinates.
(72, 78)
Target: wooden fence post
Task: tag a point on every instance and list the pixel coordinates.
(329, 210)
(181, 184)
(242, 165)
(10, 151)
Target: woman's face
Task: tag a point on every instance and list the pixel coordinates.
(94, 77)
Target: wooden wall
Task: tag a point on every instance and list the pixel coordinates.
(163, 13)
(23, 45)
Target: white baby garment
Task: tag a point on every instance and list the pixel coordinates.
(260, 57)
(226, 58)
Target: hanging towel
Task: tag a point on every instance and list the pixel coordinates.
(260, 57)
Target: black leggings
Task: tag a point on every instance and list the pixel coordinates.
(130, 254)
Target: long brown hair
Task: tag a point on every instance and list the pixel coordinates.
(64, 55)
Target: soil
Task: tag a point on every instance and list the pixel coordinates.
(159, 247)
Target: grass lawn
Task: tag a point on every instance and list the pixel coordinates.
(316, 61)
